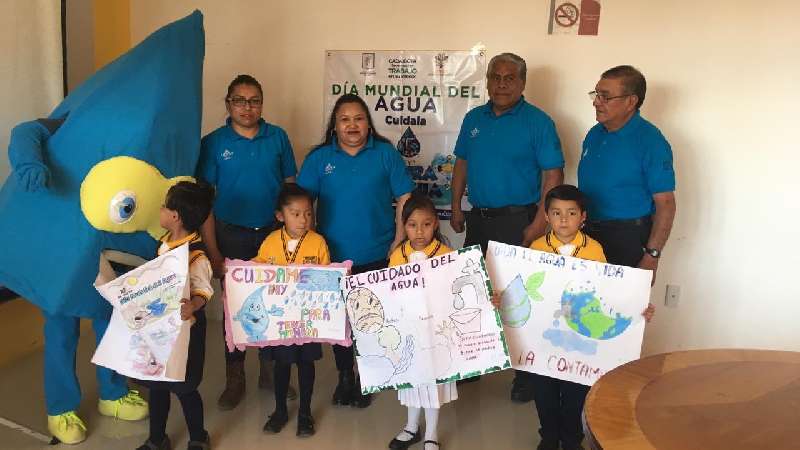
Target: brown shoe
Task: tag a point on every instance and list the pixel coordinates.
(234, 386)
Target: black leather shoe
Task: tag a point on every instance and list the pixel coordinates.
(305, 425)
(344, 389)
(276, 423)
(357, 399)
(397, 444)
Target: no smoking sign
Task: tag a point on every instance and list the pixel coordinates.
(577, 17)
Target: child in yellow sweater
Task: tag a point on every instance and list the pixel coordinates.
(294, 243)
(423, 241)
(559, 403)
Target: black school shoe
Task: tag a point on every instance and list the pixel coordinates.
(205, 444)
(357, 399)
(305, 425)
(344, 389)
(149, 445)
(276, 423)
(397, 444)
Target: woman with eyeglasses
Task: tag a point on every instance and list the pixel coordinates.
(247, 160)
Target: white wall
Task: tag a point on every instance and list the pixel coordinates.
(30, 69)
(723, 87)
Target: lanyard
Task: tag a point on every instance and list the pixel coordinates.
(433, 252)
(290, 257)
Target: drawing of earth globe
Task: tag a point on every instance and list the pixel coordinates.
(515, 305)
(588, 315)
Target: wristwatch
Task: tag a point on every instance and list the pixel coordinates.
(654, 252)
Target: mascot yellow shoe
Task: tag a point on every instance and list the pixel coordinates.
(67, 428)
(128, 407)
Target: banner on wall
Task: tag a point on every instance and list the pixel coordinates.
(566, 317)
(146, 338)
(426, 322)
(417, 100)
(269, 305)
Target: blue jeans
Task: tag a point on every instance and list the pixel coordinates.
(61, 389)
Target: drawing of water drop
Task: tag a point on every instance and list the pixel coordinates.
(408, 145)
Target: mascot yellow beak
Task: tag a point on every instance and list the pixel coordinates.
(124, 195)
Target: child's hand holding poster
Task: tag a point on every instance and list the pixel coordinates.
(565, 317)
(146, 338)
(284, 305)
(426, 322)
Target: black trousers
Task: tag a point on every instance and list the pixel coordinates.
(186, 391)
(623, 241)
(305, 374)
(559, 405)
(345, 356)
(506, 229)
(238, 243)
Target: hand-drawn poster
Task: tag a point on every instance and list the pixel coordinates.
(284, 305)
(426, 322)
(146, 338)
(566, 317)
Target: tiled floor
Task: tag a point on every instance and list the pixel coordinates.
(482, 417)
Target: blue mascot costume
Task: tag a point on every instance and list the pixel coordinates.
(89, 181)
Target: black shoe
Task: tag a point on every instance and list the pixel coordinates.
(521, 391)
(397, 444)
(276, 422)
(357, 399)
(205, 444)
(150, 445)
(305, 425)
(343, 392)
(545, 445)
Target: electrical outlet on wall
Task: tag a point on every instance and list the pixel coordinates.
(672, 298)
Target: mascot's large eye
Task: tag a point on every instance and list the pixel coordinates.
(122, 207)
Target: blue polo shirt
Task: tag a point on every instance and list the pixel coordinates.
(506, 154)
(620, 171)
(354, 208)
(248, 173)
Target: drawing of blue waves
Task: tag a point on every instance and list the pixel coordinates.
(318, 280)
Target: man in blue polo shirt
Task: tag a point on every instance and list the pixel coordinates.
(626, 173)
(247, 160)
(509, 156)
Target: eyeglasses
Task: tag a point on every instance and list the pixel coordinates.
(240, 102)
(604, 98)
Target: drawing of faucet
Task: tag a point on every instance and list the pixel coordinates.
(473, 277)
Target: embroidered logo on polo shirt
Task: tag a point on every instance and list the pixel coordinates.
(474, 132)
(329, 169)
(310, 260)
(227, 154)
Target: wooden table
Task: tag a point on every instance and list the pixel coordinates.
(699, 399)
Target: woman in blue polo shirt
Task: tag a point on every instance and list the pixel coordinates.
(354, 174)
(247, 160)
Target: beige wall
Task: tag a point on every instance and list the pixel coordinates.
(723, 80)
(30, 67)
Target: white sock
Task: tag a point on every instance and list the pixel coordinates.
(412, 425)
(431, 426)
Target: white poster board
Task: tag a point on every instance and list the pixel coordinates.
(426, 322)
(284, 305)
(146, 338)
(566, 317)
